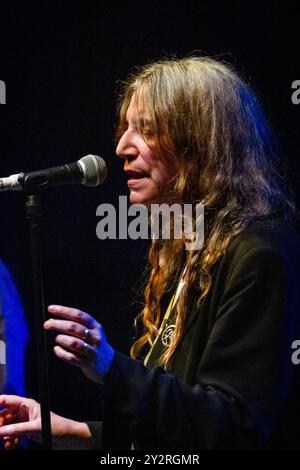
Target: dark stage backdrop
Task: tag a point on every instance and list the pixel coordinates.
(61, 65)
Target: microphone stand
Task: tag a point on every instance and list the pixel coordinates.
(33, 215)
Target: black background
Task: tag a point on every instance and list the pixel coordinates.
(62, 64)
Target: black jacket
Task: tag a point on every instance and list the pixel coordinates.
(231, 383)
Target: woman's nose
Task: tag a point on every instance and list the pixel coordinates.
(126, 147)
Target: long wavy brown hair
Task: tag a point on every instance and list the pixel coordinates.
(207, 118)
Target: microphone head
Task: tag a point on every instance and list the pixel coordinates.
(94, 170)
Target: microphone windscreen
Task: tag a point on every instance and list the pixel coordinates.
(94, 170)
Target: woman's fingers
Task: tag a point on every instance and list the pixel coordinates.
(8, 417)
(73, 329)
(12, 402)
(83, 342)
(26, 429)
(73, 314)
(75, 359)
(66, 326)
(75, 345)
(81, 335)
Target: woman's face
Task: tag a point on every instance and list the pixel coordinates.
(149, 177)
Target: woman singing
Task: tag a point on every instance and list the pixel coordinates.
(212, 367)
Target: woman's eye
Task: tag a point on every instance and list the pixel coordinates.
(148, 132)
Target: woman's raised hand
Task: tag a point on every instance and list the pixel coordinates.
(81, 341)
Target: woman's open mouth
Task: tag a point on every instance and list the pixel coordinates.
(135, 177)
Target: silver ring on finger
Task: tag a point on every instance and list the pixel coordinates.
(85, 334)
(85, 347)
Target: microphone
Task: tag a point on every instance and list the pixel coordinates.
(89, 171)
